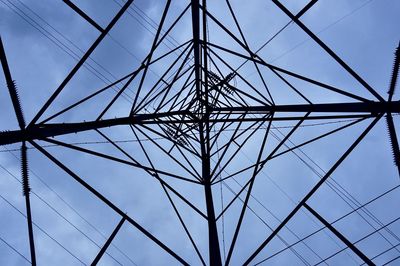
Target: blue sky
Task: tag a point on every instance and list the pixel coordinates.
(44, 40)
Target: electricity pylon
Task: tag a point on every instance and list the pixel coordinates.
(200, 102)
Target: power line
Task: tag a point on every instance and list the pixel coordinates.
(334, 187)
(60, 215)
(68, 50)
(361, 239)
(390, 261)
(324, 29)
(308, 39)
(279, 188)
(345, 196)
(42, 230)
(348, 198)
(60, 44)
(67, 204)
(304, 261)
(336, 220)
(15, 250)
(147, 139)
(148, 20)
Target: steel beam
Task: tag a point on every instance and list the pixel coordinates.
(80, 63)
(108, 242)
(11, 87)
(312, 191)
(109, 204)
(214, 250)
(353, 107)
(355, 110)
(328, 50)
(83, 15)
(26, 191)
(339, 235)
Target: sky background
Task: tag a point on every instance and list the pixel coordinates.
(44, 40)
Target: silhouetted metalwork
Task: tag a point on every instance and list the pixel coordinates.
(188, 119)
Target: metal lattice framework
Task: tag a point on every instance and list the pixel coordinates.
(199, 117)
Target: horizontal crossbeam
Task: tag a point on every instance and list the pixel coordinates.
(341, 110)
(354, 107)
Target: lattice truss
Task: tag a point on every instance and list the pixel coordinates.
(206, 152)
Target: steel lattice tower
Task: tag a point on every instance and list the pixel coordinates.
(190, 112)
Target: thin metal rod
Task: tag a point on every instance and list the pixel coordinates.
(301, 13)
(339, 235)
(328, 50)
(244, 207)
(83, 15)
(90, 96)
(108, 203)
(257, 169)
(312, 81)
(364, 205)
(377, 230)
(306, 8)
(226, 148)
(184, 226)
(193, 174)
(179, 73)
(150, 55)
(81, 62)
(170, 200)
(267, 102)
(319, 137)
(250, 54)
(240, 146)
(108, 242)
(153, 172)
(193, 152)
(108, 157)
(142, 103)
(119, 93)
(313, 190)
(237, 195)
